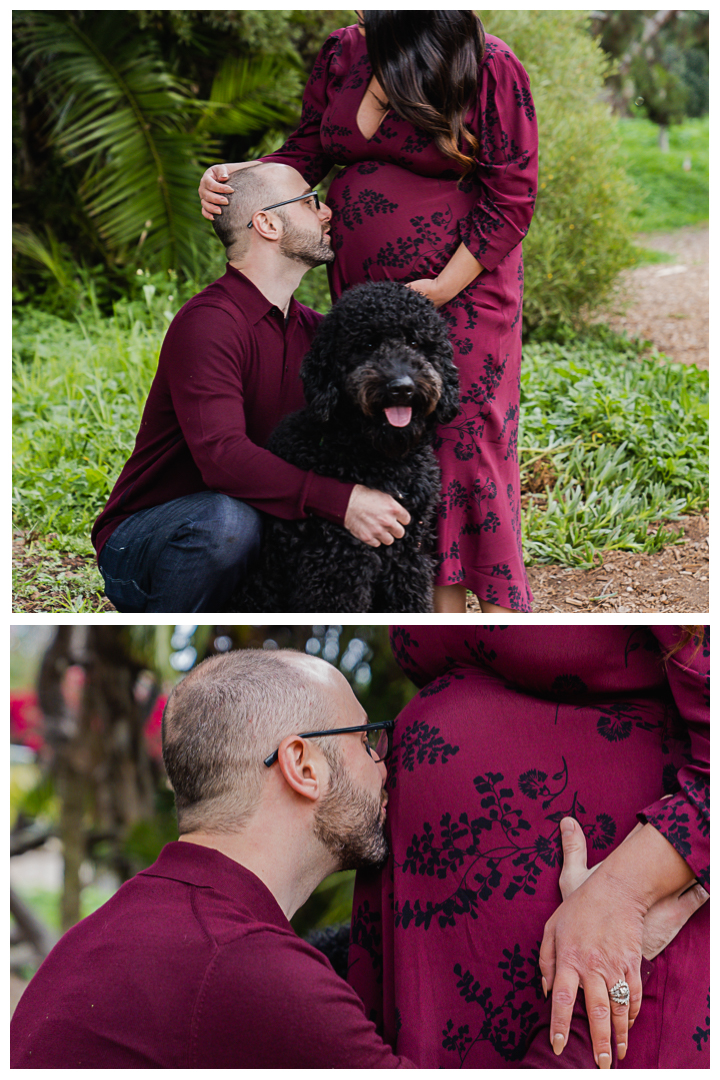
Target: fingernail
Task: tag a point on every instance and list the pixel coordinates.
(630, 1023)
(603, 1061)
(558, 1043)
(701, 893)
(567, 826)
(544, 986)
(621, 1049)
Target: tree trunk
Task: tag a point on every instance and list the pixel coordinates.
(104, 777)
(65, 738)
(653, 25)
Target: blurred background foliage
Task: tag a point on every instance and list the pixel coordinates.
(86, 706)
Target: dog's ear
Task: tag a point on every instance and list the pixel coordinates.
(449, 404)
(323, 404)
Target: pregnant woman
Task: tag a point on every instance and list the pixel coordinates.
(514, 730)
(433, 125)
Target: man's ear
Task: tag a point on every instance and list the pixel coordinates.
(300, 765)
(268, 225)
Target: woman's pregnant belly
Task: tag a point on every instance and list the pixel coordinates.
(392, 224)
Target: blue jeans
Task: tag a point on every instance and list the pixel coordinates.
(186, 555)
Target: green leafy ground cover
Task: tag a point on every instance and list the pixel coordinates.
(618, 437)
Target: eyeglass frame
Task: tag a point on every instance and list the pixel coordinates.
(388, 725)
(298, 198)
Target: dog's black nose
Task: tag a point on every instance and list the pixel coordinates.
(401, 390)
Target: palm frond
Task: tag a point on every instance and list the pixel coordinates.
(117, 113)
(250, 95)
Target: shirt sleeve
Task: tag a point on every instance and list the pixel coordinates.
(272, 1001)
(303, 149)
(209, 404)
(506, 126)
(684, 818)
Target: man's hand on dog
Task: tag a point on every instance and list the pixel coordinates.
(375, 517)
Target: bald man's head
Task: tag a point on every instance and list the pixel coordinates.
(254, 187)
(226, 717)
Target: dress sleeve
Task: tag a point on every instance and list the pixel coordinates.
(684, 818)
(303, 149)
(506, 126)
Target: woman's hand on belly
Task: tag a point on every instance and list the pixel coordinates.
(605, 923)
(664, 920)
(461, 271)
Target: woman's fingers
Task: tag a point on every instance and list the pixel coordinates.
(620, 1018)
(597, 1006)
(668, 916)
(546, 959)
(212, 190)
(563, 999)
(574, 847)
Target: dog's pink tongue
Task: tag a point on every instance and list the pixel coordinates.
(399, 415)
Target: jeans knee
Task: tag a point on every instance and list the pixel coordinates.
(233, 533)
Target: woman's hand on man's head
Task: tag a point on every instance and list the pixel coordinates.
(212, 189)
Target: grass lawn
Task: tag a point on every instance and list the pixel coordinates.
(669, 195)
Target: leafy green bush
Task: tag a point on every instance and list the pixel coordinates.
(624, 440)
(581, 233)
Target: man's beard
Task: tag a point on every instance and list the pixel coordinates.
(304, 247)
(349, 822)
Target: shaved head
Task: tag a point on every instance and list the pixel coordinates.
(226, 717)
(254, 187)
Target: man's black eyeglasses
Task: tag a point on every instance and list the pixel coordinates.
(298, 198)
(379, 739)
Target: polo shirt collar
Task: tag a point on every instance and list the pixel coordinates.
(248, 297)
(208, 868)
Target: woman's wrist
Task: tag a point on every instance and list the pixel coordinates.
(647, 867)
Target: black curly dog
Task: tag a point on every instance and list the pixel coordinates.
(378, 379)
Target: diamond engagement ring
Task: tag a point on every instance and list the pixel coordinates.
(620, 993)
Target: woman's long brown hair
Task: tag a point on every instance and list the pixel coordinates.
(687, 634)
(427, 64)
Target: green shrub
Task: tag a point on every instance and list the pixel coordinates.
(581, 233)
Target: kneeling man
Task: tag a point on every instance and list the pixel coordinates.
(183, 524)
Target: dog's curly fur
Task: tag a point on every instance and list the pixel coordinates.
(381, 345)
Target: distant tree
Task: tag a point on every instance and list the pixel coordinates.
(104, 778)
(661, 62)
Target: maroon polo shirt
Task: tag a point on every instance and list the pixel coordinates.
(191, 964)
(228, 372)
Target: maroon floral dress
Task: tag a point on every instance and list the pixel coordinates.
(514, 728)
(400, 214)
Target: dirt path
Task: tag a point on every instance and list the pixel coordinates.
(666, 303)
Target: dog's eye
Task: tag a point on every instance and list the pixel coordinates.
(413, 342)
